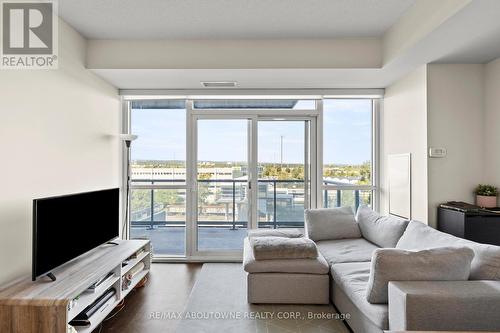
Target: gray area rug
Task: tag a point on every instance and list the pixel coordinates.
(218, 303)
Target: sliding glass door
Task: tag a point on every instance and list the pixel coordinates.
(228, 160)
(283, 168)
(222, 183)
(251, 168)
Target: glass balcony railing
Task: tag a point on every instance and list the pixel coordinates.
(222, 219)
(224, 202)
(341, 198)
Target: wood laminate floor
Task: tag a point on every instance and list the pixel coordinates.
(166, 292)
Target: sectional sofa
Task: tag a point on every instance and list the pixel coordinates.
(383, 274)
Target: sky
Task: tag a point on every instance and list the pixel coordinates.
(346, 131)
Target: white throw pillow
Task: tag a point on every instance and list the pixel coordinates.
(331, 223)
(384, 231)
(439, 264)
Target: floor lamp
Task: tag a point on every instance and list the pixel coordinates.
(127, 138)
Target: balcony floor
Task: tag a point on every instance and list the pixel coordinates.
(171, 240)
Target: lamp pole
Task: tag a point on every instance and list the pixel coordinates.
(125, 230)
(127, 139)
(281, 151)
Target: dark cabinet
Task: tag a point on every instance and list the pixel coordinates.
(478, 226)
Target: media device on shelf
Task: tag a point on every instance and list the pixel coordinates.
(83, 318)
(68, 226)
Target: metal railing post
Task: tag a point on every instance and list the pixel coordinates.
(356, 199)
(275, 220)
(325, 198)
(339, 198)
(234, 205)
(152, 207)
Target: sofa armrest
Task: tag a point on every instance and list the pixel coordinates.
(444, 305)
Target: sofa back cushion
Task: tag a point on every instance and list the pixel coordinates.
(384, 231)
(439, 264)
(331, 223)
(486, 262)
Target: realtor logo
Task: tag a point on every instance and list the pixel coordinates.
(29, 34)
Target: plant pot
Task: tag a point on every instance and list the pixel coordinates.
(486, 201)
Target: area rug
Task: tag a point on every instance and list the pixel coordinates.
(218, 303)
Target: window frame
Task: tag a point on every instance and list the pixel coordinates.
(316, 200)
(375, 147)
(151, 187)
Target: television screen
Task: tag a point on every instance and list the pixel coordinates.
(66, 227)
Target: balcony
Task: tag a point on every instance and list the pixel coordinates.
(160, 214)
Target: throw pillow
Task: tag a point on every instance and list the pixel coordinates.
(439, 264)
(384, 231)
(331, 223)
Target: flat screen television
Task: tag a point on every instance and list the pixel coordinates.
(68, 226)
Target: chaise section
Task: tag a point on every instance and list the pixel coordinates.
(348, 293)
(346, 250)
(287, 288)
(300, 266)
(286, 281)
(444, 306)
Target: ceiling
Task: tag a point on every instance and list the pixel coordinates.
(231, 19)
(457, 40)
(459, 31)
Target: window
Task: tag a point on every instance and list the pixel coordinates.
(348, 148)
(158, 174)
(255, 160)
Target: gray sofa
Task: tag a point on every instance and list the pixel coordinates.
(470, 304)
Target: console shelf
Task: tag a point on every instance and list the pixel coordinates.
(135, 280)
(99, 317)
(44, 306)
(135, 261)
(88, 298)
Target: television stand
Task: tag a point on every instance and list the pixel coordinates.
(48, 307)
(51, 276)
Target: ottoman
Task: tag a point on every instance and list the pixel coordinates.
(286, 281)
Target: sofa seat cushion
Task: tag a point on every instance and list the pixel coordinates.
(346, 250)
(384, 231)
(484, 266)
(305, 266)
(352, 279)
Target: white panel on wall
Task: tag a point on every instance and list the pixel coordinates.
(399, 170)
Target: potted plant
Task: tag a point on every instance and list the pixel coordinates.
(486, 196)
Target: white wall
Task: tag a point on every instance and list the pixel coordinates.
(403, 129)
(57, 135)
(452, 106)
(455, 122)
(417, 22)
(232, 54)
(492, 123)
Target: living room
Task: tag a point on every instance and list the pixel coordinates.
(250, 166)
